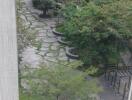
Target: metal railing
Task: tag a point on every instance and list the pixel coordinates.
(119, 77)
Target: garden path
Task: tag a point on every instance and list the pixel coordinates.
(51, 51)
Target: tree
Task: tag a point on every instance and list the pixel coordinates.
(44, 5)
(62, 83)
(100, 31)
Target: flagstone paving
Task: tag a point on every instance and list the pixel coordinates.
(51, 50)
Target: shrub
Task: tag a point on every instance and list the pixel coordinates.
(59, 82)
(94, 71)
(69, 10)
(100, 32)
(44, 5)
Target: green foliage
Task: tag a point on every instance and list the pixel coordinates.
(25, 96)
(68, 10)
(99, 31)
(62, 82)
(94, 71)
(102, 2)
(44, 5)
(75, 64)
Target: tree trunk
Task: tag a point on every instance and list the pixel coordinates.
(44, 12)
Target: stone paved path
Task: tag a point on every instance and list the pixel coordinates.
(51, 50)
(50, 53)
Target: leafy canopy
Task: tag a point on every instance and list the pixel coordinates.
(99, 31)
(43, 4)
(59, 82)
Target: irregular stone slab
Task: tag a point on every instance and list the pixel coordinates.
(43, 31)
(30, 57)
(37, 24)
(38, 28)
(40, 34)
(47, 45)
(24, 9)
(27, 12)
(56, 44)
(49, 40)
(51, 59)
(63, 58)
(44, 49)
(21, 12)
(62, 50)
(50, 34)
(54, 47)
(27, 23)
(50, 55)
(31, 19)
(42, 53)
(23, 17)
(40, 38)
(46, 28)
(32, 26)
(62, 54)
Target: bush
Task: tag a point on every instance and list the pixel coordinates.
(44, 5)
(59, 82)
(94, 71)
(100, 32)
(69, 10)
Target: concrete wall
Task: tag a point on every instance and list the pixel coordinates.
(8, 51)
